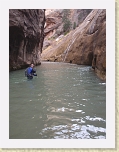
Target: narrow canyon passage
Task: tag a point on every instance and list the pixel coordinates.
(65, 101)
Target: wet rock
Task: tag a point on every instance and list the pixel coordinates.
(26, 35)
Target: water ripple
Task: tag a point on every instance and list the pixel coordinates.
(64, 101)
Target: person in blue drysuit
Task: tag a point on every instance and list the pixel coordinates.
(30, 72)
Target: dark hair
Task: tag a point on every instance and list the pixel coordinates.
(31, 64)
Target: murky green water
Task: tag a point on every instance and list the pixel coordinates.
(64, 101)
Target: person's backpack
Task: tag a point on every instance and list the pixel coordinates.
(26, 72)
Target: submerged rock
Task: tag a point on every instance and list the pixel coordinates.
(85, 45)
(26, 35)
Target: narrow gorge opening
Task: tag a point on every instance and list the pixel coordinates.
(49, 35)
(63, 100)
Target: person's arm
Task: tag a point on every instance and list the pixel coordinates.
(34, 72)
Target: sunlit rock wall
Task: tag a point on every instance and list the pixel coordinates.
(86, 45)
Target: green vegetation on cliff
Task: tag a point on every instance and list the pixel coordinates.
(66, 22)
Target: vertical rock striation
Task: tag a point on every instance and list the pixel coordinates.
(26, 35)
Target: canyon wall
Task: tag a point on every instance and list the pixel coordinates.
(26, 36)
(55, 20)
(85, 45)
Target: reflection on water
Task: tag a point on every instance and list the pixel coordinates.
(64, 101)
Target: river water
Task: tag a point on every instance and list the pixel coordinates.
(65, 101)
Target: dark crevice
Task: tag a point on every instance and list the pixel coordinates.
(16, 36)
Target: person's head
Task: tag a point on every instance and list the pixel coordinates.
(32, 65)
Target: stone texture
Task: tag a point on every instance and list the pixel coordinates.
(54, 24)
(85, 45)
(26, 35)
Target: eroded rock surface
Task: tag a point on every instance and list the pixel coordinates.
(26, 35)
(54, 22)
(85, 45)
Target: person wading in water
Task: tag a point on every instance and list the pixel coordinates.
(30, 72)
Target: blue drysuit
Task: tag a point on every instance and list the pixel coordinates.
(30, 72)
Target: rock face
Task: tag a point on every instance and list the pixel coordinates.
(26, 35)
(85, 45)
(54, 22)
